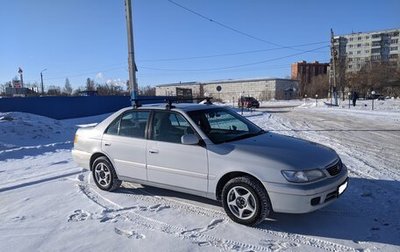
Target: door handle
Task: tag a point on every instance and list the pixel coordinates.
(153, 151)
(107, 144)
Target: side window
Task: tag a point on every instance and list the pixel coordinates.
(131, 124)
(170, 127)
(178, 121)
(113, 128)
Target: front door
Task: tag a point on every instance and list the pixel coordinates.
(169, 161)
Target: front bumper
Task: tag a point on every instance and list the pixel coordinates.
(304, 198)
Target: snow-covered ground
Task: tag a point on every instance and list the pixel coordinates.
(47, 203)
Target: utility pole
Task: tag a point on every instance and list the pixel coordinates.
(21, 76)
(334, 53)
(133, 87)
(41, 79)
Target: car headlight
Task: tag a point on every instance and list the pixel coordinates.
(303, 176)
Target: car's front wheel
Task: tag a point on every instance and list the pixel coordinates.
(104, 174)
(245, 201)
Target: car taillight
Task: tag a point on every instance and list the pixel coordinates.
(76, 139)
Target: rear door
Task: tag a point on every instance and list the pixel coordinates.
(169, 161)
(125, 144)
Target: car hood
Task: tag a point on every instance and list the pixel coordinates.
(284, 151)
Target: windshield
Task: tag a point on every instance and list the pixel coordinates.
(223, 125)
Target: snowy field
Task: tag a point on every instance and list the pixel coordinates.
(47, 203)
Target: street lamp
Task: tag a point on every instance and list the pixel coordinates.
(41, 79)
(316, 102)
(349, 94)
(373, 98)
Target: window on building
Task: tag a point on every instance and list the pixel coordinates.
(393, 56)
(394, 41)
(394, 34)
(349, 59)
(367, 44)
(350, 53)
(366, 37)
(394, 48)
(350, 66)
(359, 38)
(366, 51)
(376, 35)
(376, 43)
(358, 45)
(351, 39)
(350, 46)
(376, 50)
(375, 57)
(358, 52)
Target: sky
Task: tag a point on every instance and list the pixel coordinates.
(175, 40)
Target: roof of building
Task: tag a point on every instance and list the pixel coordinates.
(368, 32)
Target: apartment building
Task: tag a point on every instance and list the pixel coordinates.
(304, 72)
(355, 50)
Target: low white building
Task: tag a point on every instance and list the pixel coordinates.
(231, 90)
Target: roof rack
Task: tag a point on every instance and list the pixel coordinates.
(139, 100)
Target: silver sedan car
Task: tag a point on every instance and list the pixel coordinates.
(214, 152)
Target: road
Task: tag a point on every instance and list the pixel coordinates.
(370, 137)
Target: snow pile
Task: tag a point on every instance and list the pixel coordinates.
(22, 129)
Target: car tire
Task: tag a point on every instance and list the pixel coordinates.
(245, 201)
(104, 175)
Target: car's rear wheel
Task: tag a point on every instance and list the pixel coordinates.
(104, 174)
(245, 201)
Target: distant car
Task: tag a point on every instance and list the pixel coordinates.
(214, 152)
(248, 102)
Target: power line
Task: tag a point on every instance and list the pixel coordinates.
(228, 54)
(234, 66)
(231, 28)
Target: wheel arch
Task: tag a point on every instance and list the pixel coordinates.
(224, 179)
(95, 156)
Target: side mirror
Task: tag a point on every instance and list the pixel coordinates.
(189, 139)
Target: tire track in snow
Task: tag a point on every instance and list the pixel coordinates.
(35, 147)
(294, 239)
(197, 236)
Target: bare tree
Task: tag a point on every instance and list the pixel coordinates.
(90, 86)
(380, 77)
(319, 85)
(54, 90)
(147, 91)
(67, 87)
(106, 89)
